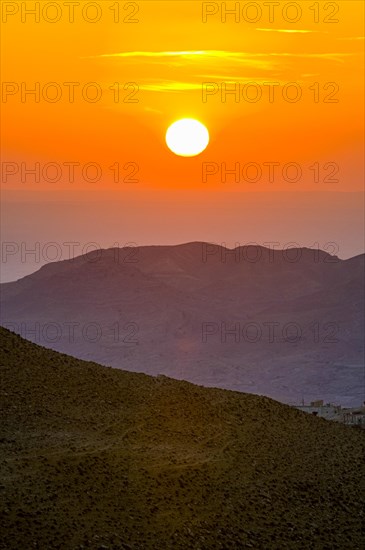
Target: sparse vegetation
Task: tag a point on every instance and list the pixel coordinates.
(94, 457)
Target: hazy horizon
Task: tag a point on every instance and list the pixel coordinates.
(31, 222)
(23, 269)
(279, 89)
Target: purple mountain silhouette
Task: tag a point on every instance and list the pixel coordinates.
(287, 324)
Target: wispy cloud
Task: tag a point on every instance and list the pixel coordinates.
(291, 31)
(170, 86)
(217, 65)
(152, 110)
(239, 57)
(154, 54)
(352, 38)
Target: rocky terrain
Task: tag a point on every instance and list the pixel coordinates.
(101, 458)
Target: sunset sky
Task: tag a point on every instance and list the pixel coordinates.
(171, 60)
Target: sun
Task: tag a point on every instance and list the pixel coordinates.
(187, 137)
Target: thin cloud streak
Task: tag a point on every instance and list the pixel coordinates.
(352, 38)
(210, 64)
(239, 57)
(291, 31)
(170, 86)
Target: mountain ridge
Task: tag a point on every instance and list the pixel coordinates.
(172, 296)
(200, 245)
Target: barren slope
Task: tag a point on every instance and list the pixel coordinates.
(93, 457)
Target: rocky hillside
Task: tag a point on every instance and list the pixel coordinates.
(95, 457)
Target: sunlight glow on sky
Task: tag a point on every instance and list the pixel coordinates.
(119, 86)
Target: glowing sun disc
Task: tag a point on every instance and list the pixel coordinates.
(187, 137)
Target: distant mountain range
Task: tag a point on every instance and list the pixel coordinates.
(284, 323)
(100, 458)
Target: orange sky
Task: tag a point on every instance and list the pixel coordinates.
(168, 52)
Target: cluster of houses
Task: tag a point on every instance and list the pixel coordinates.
(351, 416)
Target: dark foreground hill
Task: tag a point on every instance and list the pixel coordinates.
(94, 457)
